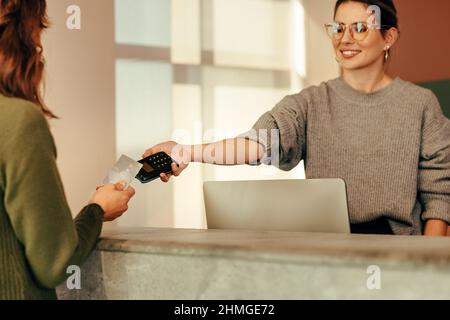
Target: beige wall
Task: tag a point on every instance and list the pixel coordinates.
(80, 89)
(320, 62)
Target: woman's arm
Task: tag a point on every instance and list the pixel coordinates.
(434, 169)
(277, 138)
(236, 151)
(35, 202)
(230, 152)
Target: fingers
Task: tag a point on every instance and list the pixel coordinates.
(176, 170)
(130, 191)
(152, 151)
(148, 153)
(164, 177)
(162, 147)
(120, 186)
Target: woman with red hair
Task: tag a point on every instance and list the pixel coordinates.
(38, 238)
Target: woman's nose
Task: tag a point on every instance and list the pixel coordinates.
(347, 37)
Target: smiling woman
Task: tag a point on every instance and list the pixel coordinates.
(365, 46)
(359, 49)
(386, 138)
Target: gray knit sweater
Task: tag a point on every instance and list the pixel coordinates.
(391, 147)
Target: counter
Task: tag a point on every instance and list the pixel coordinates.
(218, 264)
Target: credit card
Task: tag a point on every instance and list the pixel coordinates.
(125, 169)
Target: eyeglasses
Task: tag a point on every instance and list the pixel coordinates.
(358, 30)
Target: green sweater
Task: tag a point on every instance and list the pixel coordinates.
(38, 238)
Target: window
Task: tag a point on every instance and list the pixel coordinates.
(196, 71)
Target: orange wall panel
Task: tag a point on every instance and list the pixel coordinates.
(423, 51)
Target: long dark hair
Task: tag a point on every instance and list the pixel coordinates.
(21, 54)
(389, 18)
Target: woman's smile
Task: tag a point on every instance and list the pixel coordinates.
(349, 54)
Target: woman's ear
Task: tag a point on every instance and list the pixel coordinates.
(391, 37)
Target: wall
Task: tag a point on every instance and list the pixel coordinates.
(80, 89)
(320, 57)
(82, 82)
(422, 52)
(190, 66)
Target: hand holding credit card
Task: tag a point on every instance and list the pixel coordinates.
(146, 170)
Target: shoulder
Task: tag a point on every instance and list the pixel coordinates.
(426, 103)
(21, 122)
(312, 93)
(307, 97)
(18, 114)
(418, 96)
(302, 101)
(416, 91)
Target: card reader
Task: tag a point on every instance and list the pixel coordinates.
(153, 166)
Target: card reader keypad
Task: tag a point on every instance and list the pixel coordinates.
(161, 161)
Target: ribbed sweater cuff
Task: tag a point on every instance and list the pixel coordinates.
(437, 209)
(90, 219)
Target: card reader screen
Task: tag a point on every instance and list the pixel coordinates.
(148, 168)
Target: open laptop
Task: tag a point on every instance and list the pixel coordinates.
(315, 205)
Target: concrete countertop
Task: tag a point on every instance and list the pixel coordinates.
(242, 265)
(398, 249)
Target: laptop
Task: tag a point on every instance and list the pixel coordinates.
(314, 205)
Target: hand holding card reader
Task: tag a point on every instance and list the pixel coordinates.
(153, 166)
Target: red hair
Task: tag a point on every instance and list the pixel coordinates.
(21, 54)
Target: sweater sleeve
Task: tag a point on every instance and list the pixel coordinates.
(434, 166)
(282, 132)
(35, 202)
